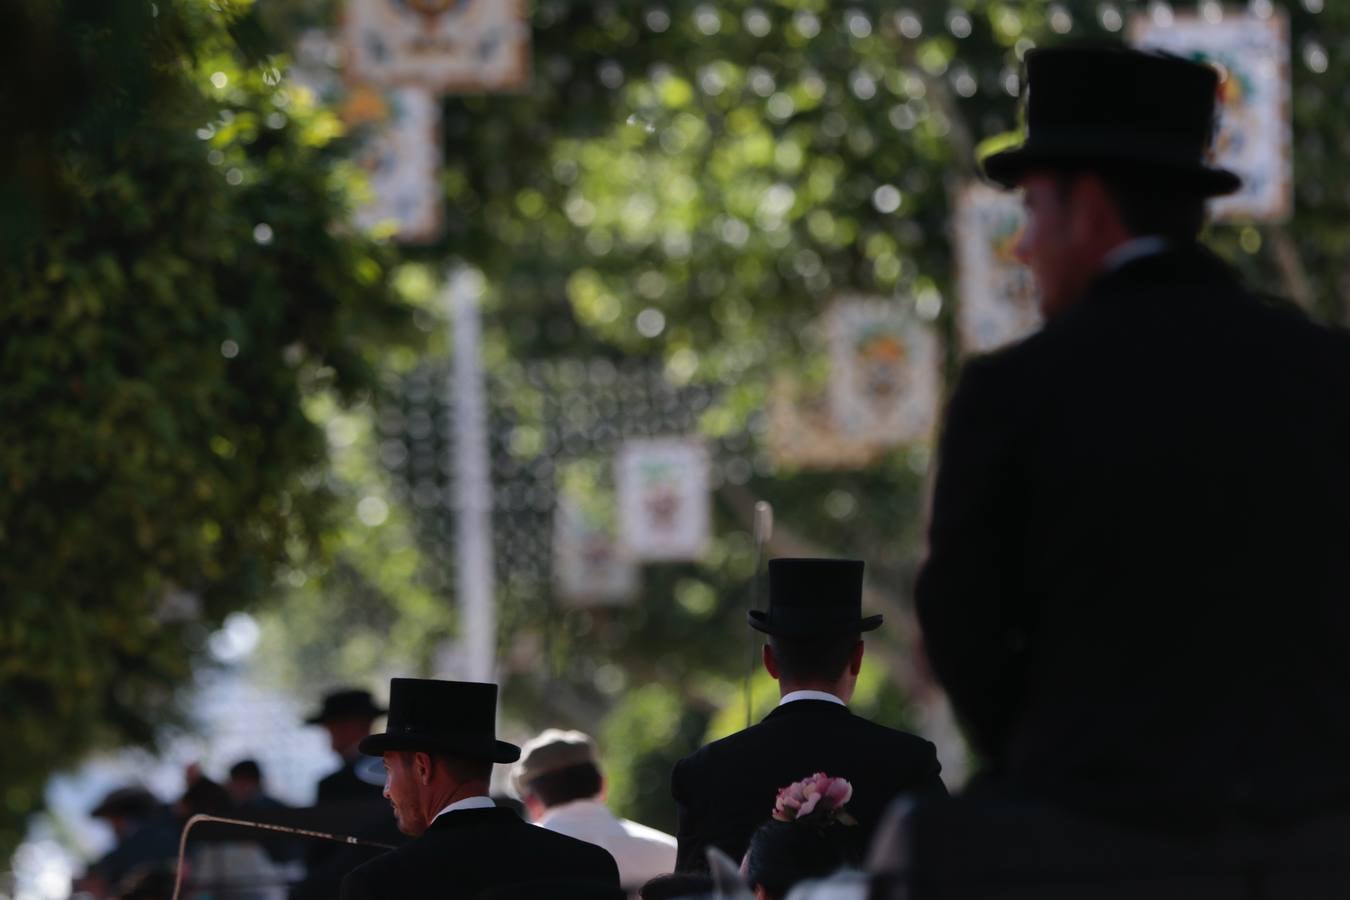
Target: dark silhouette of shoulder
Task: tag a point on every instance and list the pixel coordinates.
(726, 789)
(467, 852)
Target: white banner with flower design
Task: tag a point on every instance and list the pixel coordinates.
(664, 507)
(441, 45)
(401, 155)
(1255, 134)
(884, 372)
(997, 302)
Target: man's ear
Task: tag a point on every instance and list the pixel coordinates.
(770, 661)
(855, 659)
(423, 767)
(1092, 209)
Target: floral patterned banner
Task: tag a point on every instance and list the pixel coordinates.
(441, 45)
(664, 509)
(1255, 136)
(997, 298)
(401, 153)
(884, 370)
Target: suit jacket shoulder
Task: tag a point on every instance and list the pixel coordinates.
(726, 789)
(468, 851)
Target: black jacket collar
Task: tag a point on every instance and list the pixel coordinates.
(467, 818)
(1179, 264)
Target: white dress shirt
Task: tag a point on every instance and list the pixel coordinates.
(641, 853)
(479, 802)
(792, 696)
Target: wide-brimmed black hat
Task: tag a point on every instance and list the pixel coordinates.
(458, 717)
(348, 703)
(133, 802)
(814, 596)
(1120, 110)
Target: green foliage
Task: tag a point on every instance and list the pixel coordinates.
(643, 738)
(175, 282)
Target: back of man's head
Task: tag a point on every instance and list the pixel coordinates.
(558, 767)
(1149, 202)
(579, 782)
(813, 660)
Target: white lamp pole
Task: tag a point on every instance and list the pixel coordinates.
(472, 483)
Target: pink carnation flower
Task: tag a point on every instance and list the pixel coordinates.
(801, 798)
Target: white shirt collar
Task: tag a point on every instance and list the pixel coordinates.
(1134, 248)
(793, 696)
(479, 802)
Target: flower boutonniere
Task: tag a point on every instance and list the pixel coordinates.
(819, 798)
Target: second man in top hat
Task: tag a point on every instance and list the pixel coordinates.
(439, 749)
(814, 650)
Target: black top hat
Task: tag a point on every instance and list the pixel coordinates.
(349, 703)
(457, 717)
(814, 596)
(1118, 109)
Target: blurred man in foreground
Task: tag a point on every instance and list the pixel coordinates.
(559, 779)
(439, 750)
(1136, 590)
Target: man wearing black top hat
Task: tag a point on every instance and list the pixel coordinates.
(439, 749)
(1136, 589)
(814, 650)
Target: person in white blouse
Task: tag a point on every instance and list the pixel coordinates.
(558, 778)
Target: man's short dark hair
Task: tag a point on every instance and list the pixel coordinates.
(813, 658)
(465, 768)
(248, 769)
(579, 782)
(1150, 202)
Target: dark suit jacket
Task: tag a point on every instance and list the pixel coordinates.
(1138, 587)
(469, 851)
(344, 786)
(726, 790)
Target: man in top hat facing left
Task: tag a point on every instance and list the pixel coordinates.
(1135, 593)
(439, 749)
(814, 650)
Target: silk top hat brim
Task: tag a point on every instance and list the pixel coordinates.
(1118, 110)
(434, 716)
(804, 623)
(473, 747)
(1122, 153)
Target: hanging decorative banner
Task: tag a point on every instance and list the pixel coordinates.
(1255, 135)
(664, 512)
(883, 372)
(401, 154)
(802, 435)
(589, 567)
(442, 45)
(997, 298)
